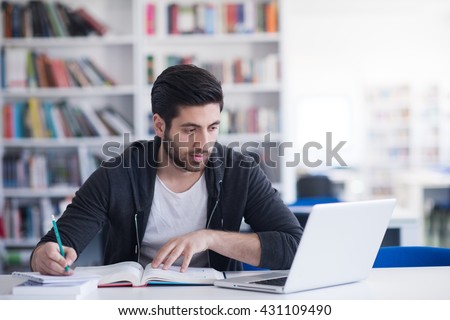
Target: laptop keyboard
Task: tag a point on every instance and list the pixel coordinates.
(273, 282)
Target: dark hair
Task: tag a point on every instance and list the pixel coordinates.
(182, 86)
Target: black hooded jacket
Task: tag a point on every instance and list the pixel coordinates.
(120, 193)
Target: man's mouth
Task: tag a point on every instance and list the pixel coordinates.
(199, 157)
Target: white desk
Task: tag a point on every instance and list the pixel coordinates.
(387, 283)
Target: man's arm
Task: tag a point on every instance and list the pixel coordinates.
(276, 226)
(79, 223)
(238, 246)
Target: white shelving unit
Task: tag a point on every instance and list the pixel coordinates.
(113, 52)
(407, 132)
(219, 47)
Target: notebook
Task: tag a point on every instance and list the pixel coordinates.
(339, 245)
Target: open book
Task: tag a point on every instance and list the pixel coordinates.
(130, 273)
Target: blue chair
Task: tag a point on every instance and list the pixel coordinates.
(248, 267)
(312, 190)
(412, 256)
(314, 186)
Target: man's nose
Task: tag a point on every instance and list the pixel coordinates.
(202, 138)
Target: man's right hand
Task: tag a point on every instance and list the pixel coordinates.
(48, 260)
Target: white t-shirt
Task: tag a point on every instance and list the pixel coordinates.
(173, 214)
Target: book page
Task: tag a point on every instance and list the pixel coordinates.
(129, 271)
(190, 276)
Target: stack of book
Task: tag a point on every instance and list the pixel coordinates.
(37, 286)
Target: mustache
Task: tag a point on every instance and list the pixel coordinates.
(197, 152)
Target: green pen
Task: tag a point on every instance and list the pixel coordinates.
(58, 239)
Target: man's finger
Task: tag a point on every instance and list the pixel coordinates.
(186, 261)
(174, 255)
(162, 254)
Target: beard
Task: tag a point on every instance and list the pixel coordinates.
(182, 157)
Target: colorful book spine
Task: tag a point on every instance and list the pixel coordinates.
(99, 27)
(272, 17)
(150, 70)
(150, 19)
(34, 113)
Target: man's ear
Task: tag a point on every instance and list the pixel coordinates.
(159, 125)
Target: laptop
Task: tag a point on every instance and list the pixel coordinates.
(339, 245)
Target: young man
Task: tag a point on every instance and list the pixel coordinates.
(180, 199)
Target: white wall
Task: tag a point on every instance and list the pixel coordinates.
(334, 48)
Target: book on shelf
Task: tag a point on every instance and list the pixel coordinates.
(31, 75)
(48, 19)
(186, 19)
(262, 70)
(29, 68)
(8, 129)
(255, 119)
(78, 24)
(64, 18)
(41, 169)
(39, 69)
(95, 121)
(95, 24)
(150, 18)
(7, 9)
(60, 74)
(25, 222)
(227, 18)
(107, 79)
(77, 73)
(271, 15)
(56, 23)
(2, 227)
(172, 16)
(15, 67)
(131, 273)
(93, 77)
(56, 119)
(114, 121)
(35, 120)
(150, 69)
(2, 68)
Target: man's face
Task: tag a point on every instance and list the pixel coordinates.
(191, 137)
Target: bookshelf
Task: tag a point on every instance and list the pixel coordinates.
(246, 59)
(239, 42)
(407, 132)
(47, 153)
